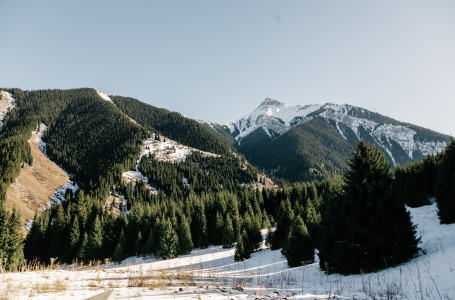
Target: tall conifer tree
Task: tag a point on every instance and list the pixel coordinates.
(366, 228)
(184, 235)
(299, 247)
(445, 186)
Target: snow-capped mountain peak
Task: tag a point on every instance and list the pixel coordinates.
(400, 141)
(269, 102)
(273, 116)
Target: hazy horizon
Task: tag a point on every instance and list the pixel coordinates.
(217, 61)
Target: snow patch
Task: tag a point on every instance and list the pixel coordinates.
(340, 131)
(105, 96)
(163, 149)
(59, 195)
(7, 103)
(272, 115)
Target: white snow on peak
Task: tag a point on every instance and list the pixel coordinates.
(7, 103)
(382, 133)
(270, 115)
(275, 117)
(208, 123)
(105, 96)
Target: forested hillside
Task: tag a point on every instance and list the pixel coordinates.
(96, 142)
(310, 151)
(172, 125)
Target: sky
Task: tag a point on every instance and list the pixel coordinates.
(218, 60)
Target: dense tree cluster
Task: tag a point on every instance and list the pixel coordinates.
(445, 186)
(11, 241)
(163, 226)
(94, 142)
(172, 125)
(415, 181)
(298, 219)
(198, 174)
(310, 151)
(366, 227)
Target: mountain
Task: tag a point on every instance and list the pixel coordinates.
(312, 141)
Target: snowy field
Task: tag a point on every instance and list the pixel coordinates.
(213, 274)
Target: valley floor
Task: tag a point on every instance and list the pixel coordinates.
(213, 274)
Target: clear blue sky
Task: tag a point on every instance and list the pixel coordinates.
(217, 60)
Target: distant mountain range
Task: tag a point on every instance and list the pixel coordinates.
(313, 141)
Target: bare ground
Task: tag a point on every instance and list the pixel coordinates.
(35, 185)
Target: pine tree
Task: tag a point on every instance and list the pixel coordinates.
(199, 226)
(74, 237)
(149, 247)
(33, 238)
(4, 233)
(94, 241)
(253, 230)
(227, 236)
(312, 220)
(82, 252)
(122, 239)
(298, 247)
(241, 253)
(285, 218)
(219, 222)
(366, 228)
(15, 246)
(58, 230)
(119, 254)
(445, 186)
(168, 241)
(184, 236)
(138, 245)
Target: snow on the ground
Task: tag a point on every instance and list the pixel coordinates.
(59, 195)
(164, 149)
(133, 176)
(212, 273)
(105, 96)
(6, 104)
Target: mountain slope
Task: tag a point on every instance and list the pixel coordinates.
(311, 150)
(34, 187)
(305, 142)
(172, 125)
